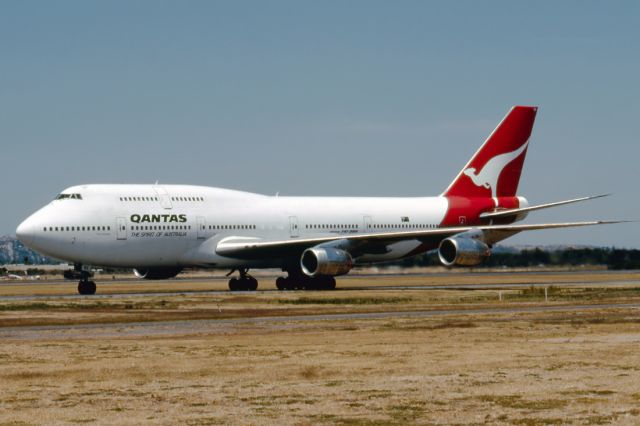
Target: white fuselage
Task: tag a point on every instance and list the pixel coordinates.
(179, 225)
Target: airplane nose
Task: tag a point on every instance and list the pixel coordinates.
(26, 232)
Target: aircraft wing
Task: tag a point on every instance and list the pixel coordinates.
(256, 248)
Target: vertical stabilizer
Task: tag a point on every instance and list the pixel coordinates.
(494, 171)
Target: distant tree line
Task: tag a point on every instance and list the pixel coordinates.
(612, 258)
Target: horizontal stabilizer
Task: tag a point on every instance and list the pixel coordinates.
(515, 212)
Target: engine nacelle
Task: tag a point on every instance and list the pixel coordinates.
(462, 251)
(325, 261)
(157, 273)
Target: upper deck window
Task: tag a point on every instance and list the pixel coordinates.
(69, 197)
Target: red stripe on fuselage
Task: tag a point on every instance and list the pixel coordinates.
(466, 211)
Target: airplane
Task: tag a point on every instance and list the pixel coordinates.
(158, 230)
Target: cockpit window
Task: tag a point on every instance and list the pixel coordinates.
(69, 196)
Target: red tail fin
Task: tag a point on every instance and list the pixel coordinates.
(494, 171)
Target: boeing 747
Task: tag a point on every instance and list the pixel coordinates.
(158, 230)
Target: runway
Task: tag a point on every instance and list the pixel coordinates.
(192, 327)
(344, 287)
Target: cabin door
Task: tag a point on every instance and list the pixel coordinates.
(121, 228)
(201, 227)
(293, 226)
(163, 197)
(367, 223)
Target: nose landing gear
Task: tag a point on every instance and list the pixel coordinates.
(85, 286)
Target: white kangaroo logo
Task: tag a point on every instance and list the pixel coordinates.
(490, 173)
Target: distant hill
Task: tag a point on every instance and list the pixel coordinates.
(13, 251)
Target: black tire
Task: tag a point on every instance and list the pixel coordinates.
(234, 284)
(281, 283)
(330, 284)
(326, 283)
(87, 287)
(288, 284)
(312, 283)
(252, 284)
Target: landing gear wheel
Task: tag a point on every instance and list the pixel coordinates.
(281, 283)
(87, 287)
(329, 283)
(234, 284)
(252, 283)
(244, 283)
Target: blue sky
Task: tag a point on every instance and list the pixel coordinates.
(321, 98)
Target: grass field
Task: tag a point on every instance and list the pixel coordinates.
(530, 368)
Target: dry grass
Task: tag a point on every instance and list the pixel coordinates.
(529, 369)
(515, 370)
(193, 306)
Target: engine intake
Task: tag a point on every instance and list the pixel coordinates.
(462, 251)
(325, 261)
(157, 273)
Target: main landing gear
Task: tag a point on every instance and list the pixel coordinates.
(244, 283)
(303, 282)
(295, 281)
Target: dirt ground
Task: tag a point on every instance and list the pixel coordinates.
(548, 367)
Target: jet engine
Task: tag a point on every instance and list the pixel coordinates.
(325, 261)
(157, 273)
(462, 251)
